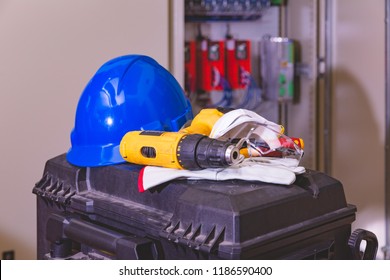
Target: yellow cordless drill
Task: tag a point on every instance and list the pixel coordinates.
(190, 148)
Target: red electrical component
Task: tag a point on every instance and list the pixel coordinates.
(238, 63)
(211, 65)
(190, 66)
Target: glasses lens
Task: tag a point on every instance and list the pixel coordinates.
(258, 140)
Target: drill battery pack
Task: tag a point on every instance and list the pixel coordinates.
(98, 213)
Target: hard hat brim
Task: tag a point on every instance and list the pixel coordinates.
(92, 156)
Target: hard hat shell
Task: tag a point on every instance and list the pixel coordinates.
(131, 92)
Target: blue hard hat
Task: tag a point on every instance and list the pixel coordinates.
(127, 93)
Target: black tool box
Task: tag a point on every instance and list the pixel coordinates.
(98, 213)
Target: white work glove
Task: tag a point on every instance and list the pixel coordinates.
(151, 176)
(238, 117)
(283, 163)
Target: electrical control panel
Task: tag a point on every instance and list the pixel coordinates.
(259, 55)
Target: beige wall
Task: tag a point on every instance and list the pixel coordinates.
(48, 52)
(358, 112)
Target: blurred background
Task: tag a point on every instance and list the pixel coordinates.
(50, 49)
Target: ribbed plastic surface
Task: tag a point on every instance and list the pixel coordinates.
(193, 219)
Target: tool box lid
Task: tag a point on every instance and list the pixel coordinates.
(227, 216)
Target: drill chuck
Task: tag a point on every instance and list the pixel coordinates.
(196, 151)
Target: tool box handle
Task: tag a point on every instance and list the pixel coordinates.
(124, 246)
(355, 240)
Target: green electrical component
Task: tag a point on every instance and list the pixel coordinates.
(277, 2)
(277, 64)
(285, 69)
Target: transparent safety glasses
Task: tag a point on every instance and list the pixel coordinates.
(257, 140)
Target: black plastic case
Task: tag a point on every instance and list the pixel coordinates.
(98, 213)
